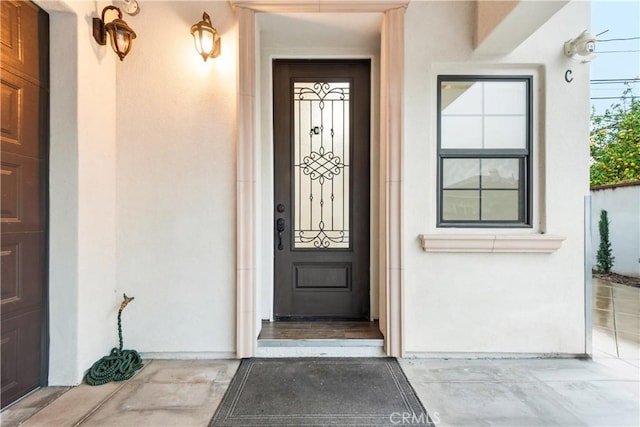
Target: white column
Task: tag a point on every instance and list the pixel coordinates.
(246, 242)
(391, 112)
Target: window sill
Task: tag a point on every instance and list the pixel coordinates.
(532, 243)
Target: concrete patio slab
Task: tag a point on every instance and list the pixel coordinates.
(527, 392)
(455, 392)
(604, 391)
(30, 405)
(168, 393)
(73, 406)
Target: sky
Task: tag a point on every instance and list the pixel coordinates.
(617, 59)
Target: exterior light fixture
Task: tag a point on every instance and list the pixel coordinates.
(131, 7)
(120, 33)
(584, 45)
(206, 38)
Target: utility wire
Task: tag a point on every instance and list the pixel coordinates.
(615, 80)
(616, 51)
(617, 40)
(616, 83)
(615, 97)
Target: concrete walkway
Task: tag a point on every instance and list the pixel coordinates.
(163, 393)
(616, 321)
(604, 391)
(528, 392)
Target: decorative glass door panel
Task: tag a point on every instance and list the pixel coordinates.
(321, 163)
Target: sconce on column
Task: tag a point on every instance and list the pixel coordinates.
(206, 38)
(120, 33)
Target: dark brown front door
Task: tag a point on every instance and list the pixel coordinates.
(23, 173)
(321, 162)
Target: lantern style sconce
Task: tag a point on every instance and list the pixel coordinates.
(120, 33)
(206, 38)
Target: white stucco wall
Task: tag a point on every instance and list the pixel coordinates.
(623, 209)
(143, 190)
(167, 149)
(176, 192)
(82, 288)
(496, 303)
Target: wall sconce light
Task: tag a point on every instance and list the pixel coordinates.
(583, 45)
(120, 33)
(206, 38)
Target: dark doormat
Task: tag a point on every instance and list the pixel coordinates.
(319, 392)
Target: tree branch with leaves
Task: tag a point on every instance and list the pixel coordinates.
(615, 143)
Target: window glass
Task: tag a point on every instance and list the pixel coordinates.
(500, 205)
(461, 205)
(461, 173)
(483, 114)
(505, 132)
(461, 98)
(500, 173)
(505, 98)
(461, 132)
(483, 150)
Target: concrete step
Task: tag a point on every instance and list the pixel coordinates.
(320, 348)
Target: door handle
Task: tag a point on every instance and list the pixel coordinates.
(280, 229)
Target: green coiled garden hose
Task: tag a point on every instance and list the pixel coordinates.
(120, 364)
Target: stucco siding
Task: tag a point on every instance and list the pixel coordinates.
(144, 190)
(496, 303)
(176, 182)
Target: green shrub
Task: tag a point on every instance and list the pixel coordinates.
(604, 257)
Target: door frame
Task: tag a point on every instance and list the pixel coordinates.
(391, 143)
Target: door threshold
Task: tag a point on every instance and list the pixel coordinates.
(320, 348)
(320, 343)
(349, 330)
(320, 339)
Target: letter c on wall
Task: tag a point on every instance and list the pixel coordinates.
(568, 76)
